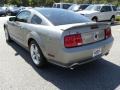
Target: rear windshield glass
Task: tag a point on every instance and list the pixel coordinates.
(93, 8)
(61, 17)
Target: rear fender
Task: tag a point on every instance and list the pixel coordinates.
(35, 36)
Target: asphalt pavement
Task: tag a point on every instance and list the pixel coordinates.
(17, 71)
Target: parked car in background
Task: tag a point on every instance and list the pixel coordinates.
(100, 12)
(78, 7)
(51, 35)
(27, 8)
(118, 11)
(62, 5)
(2, 11)
(118, 8)
(5, 8)
(14, 10)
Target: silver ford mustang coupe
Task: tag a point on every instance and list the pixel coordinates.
(59, 36)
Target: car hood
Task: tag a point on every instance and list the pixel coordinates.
(86, 12)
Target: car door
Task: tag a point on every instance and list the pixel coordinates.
(19, 25)
(12, 28)
(106, 13)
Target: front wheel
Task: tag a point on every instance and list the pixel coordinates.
(36, 55)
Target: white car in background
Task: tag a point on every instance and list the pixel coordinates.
(78, 7)
(100, 12)
(62, 5)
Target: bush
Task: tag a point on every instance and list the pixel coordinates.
(117, 18)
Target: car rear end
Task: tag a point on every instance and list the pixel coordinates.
(83, 43)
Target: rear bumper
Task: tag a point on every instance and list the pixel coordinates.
(80, 55)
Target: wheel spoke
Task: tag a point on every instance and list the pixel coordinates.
(33, 56)
(36, 49)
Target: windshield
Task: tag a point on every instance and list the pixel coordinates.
(74, 7)
(61, 17)
(93, 8)
(82, 7)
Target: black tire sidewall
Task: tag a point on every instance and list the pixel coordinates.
(94, 19)
(9, 39)
(112, 21)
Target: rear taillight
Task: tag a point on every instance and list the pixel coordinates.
(72, 40)
(108, 33)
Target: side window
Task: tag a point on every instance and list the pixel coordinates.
(66, 6)
(106, 9)
(114, 8)
(36, 20)
(23, 16)
(57, 5)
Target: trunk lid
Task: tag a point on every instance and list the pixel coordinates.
(90, 32)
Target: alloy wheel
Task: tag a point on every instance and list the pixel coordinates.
(35, 55)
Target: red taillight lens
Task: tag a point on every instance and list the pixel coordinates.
(72, 40)
(108, 33)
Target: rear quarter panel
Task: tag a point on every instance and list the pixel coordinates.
(47, 37)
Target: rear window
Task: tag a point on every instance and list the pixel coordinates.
(66, 6)
(62, 17)
(36, 20)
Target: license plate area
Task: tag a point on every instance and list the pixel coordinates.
(97, 52)
(92, 37)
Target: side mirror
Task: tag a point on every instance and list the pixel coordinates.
(12, 18)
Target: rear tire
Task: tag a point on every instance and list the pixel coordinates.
(7, 36)
(36, 55)
(94, 19)
(112, 20)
